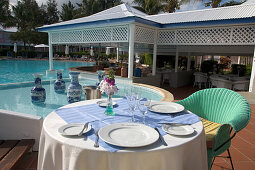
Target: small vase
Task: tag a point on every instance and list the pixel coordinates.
(38, 94)
(109, 108)
(74, 90)
(59, 85)
(100, 76)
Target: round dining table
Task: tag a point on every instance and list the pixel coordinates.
(58, 152)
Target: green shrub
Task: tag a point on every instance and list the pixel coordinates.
(123, 57)
(148, 59)
(4, 51)
(248, 69)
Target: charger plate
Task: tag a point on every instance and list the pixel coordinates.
(128, 134)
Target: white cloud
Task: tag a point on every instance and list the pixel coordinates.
(191, 6)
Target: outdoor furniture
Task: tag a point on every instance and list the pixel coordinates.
(220, 106)
(200, 79)
(58, 152)
(213, 81)
(12, 151)
(241, 85)
(165, 76)
(223, 83)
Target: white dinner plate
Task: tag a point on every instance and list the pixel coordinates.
(103, 103)
(128, 134)
(166, 107)
(180, 130)
(73, 129)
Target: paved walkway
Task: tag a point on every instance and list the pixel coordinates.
(242, 148)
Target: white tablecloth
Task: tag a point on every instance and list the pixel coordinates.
(57, 152)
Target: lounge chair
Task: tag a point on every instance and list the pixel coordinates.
(222, 112)
(12, 151)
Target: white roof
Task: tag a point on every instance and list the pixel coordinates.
(222, 13)
(124, 11)
(9, 29)
(120, 11)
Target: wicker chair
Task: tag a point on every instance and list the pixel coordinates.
(226, 108)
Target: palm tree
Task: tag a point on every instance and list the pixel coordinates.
(4, 11)
(150, 7)
(68, 11)
(171, 5)
(89, 7)
(52, 12)
(27, 17)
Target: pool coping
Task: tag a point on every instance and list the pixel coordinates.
(167, 96)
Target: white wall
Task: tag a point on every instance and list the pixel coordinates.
(14, 125)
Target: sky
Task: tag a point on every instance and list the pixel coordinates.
(184, 7)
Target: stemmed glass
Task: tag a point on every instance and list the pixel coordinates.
(144, 105)
(131, 99)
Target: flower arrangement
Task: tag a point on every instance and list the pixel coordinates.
(108, 85)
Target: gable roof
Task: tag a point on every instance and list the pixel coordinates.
(212, 14)
(117, 12)
(124, 13)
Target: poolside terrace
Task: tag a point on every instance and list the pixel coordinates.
(242, 148)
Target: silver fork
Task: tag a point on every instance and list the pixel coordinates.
(96, 145)
(84, 127)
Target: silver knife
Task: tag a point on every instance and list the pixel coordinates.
(161, 137)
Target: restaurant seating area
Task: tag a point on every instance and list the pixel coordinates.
(228, 81)
(242, 146)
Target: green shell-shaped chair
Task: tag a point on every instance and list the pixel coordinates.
(224, 107)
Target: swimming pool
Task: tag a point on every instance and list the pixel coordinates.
(17, 96)
(13, 71)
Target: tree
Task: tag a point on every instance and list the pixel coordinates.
(232, 3)
(52, 12)
(90, 7)
(68, 11)
(217, 3)
(4, 11)
(150, 7)
(170, 6)
(27, 17)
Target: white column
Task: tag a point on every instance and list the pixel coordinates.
(238, 60)
(188, 62)
(50, 53)
(154, 63)
(117, 54)
(252, 72)
(131, 50)
(176, 59)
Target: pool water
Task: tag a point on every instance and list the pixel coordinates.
(17, 97)
(13, 71)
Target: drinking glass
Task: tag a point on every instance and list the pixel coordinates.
(143, 108)
(132, 103)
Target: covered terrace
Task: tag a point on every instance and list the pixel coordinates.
(228, 31)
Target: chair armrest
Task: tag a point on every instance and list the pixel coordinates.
(222, 139)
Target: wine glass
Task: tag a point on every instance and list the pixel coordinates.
(143, 109)
(132, 103)
(144, 105)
